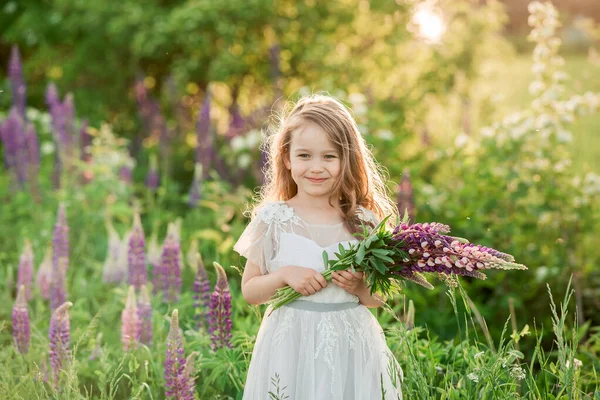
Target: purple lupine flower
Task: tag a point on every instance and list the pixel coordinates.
(58, 335)
(136, 257)
(112, 270)
(219, 315)
(170, 268)
(130, 322)
(20, 322)
(429, 250)
(44, 274)
(202, 295)
(405, 198)
(15, 75)
(176, 383)
(58, 291)
(145, 317)
(60, 242)
(152, 179)
(33, 154)
(204, 142)
(52, 97)
(237, 123)
(14, 137)
(25, 273)
(85, 140)
(125, 174)
(195, 195)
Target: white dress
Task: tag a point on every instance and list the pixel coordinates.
(323, 346)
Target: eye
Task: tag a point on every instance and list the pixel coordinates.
(331, 156)
(302, 155)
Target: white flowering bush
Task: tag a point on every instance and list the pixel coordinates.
(513, 186)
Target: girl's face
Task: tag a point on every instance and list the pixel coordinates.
(313, 161)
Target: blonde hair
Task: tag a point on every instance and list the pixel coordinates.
(361, 181)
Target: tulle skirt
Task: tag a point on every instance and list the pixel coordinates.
(313, 351)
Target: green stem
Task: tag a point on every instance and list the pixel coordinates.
(291, 295)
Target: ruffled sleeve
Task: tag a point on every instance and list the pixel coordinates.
(259, 242)
(254, 243)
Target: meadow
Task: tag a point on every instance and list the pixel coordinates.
(116, 267)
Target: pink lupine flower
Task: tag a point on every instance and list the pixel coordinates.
(60, 242)
(44, 274)
(58, 335)
(138, 275)
(202, 296)
(189, 371)
(20, 322)
(25, 273)
(130, 322)
(219, 315)
(176, 382)
(145, 316)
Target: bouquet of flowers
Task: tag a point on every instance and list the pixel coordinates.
(386, 258)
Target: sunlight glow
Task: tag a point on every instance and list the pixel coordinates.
(428, 23)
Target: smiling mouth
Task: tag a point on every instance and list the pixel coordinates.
(316, 180)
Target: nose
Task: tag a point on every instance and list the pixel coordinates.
(316, 166)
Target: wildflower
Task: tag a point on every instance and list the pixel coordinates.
(59, 340)
(517, 373)
(152, 179)
(15, 75)
(60, 242)
(130, 321)
(25, 272)
(136, 257)
(58, 290)
(20, 322)
(202, 295)
(169, 271)
(176, 386)
(44, 275)
(112, 271)
(219, 315)
(145, 316)
(477, 355)
(473, 376)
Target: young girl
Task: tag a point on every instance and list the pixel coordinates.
(321, 183)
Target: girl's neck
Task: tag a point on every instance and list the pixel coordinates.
(317, 203)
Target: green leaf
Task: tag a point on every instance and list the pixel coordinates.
(325, 258)
(360, 254)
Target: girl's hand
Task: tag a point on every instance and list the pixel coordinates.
(350, 281)
(303, 280)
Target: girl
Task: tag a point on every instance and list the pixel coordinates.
(321, 182)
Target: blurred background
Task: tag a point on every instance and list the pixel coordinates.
(484, 113)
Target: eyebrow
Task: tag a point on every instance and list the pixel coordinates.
(323, 152)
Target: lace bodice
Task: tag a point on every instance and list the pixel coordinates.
(278, 237)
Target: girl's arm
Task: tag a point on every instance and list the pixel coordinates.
(257, 288)
(367, 300)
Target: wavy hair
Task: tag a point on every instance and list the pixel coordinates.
(362, 179)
